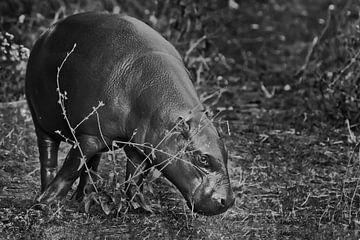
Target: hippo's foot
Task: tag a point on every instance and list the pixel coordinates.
(49, 200)
(139, 205)
(46, 197)
(48, 207)
(54, 192)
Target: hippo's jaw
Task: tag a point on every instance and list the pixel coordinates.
(213, 196)
(206, 194)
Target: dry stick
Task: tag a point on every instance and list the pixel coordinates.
(193, 46)
(218, 92)
(139, 186)
(67, 140)
(137, 170)
(168, 161)
(57, 211)
(171, 157)
(352, 61)
(90, 114)
(147, 157)
(103, 139)
(61, 101)
(183, 149)
(314, 43)
(13, 104)
(172, 129)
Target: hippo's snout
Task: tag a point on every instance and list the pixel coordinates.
(213, 196)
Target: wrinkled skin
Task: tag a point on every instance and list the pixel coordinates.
(204, 181)
(145, 88)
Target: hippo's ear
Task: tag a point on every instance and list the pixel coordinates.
(183, 126)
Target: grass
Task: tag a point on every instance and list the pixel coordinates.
(289, 184)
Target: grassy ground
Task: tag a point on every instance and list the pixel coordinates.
(294, 178)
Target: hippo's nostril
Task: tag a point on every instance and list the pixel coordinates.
(222, 202)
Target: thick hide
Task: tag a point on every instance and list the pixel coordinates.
(148, 99)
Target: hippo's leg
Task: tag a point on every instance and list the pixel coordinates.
(85, 186)
(48, 151)
(137, 168)
(59, 187)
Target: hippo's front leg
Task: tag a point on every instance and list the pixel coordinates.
(85, 186)
(137, 168)
(60, 186)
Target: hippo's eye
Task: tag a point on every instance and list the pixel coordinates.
(203, 161)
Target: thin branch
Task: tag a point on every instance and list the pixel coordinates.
(193, 46)
(315, 42)
(352, 61)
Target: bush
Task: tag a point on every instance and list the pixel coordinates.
(194, 27)
(256, 41)
(334, 71)
(13, 65)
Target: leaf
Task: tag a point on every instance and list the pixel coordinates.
(88, 199)
(105, 206)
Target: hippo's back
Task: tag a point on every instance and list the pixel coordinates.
(99, 69)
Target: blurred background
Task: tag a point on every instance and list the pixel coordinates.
(304, 52)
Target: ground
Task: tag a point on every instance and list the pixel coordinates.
(294, 178)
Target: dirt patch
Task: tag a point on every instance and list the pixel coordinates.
(290, 182)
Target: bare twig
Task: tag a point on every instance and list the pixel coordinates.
(62, 97)
(352, 61)
(193, 46)
(302, 71)
(14, 104)
(100, 104)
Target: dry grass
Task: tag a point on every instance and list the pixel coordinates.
(288, 184)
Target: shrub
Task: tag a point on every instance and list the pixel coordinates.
(335, 71)
(13, 58)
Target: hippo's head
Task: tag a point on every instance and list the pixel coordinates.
(197, 165)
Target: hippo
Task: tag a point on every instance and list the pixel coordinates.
(149, 106)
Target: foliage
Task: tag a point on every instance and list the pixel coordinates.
(192, 26)
(337, 76)
(229, 42)
(13, 60)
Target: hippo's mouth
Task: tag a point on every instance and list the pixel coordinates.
(210, 201)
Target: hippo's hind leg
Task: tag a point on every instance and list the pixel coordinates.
(48, 151)
(88, 146)
(85, 186)
(137, 168)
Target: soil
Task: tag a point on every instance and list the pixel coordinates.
(294, 177)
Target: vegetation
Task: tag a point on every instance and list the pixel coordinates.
(283, 73)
